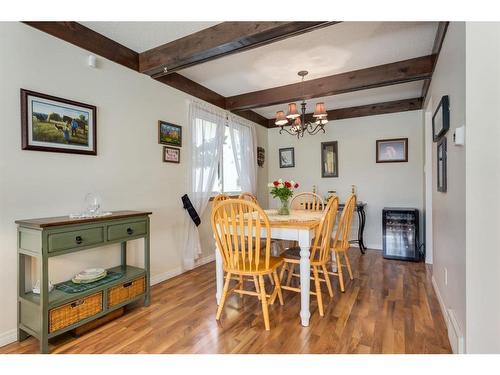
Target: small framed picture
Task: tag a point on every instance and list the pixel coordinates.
(441, 166)
(171, 154)
(392, 150)
(441, 119)
(287, 157)
(169, 134)
(329, 159)
(53, 124)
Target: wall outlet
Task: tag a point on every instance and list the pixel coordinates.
(445, 276)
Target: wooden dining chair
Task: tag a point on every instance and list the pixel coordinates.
(219, 198)
(303, 201)
(248, 196)
(340, 244)
(307, 201)
(237, 225)
(319, 254)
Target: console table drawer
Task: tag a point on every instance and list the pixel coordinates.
(75, 239)
(123, 231)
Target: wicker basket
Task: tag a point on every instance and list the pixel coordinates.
(73, 312)
(126, 291)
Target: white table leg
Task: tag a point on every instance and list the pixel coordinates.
(305, 274)
(219, 275)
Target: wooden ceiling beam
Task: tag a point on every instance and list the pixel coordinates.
(367, 110)
(436, 49)
(83, 37)
(217, 41)
(377, 76)
(192, 88)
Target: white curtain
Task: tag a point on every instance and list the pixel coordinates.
(244, 142)
(207, 137)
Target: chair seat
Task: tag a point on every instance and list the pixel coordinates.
(250, 268)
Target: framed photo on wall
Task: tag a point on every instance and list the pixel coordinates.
(287, 157)
(169, 134)
(53, 124)
(392, 150)
(329, 159)
(441, 119)
(442, 184)
(171, 154)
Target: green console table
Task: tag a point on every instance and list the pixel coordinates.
(46, 315)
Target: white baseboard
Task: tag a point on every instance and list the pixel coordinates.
(205, 260)
(8, 337)
(455, 335)
(156, 279)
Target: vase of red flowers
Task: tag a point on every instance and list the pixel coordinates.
(284, 191)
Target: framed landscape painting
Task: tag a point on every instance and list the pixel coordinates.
(392, 150)
(169, 134)
(53, 124)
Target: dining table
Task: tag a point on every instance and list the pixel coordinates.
(300, 226)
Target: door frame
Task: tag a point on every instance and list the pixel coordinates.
(428, 182)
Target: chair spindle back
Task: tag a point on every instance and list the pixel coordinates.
(237, 225)
(323, 236)
(341, 241)
(307, 201)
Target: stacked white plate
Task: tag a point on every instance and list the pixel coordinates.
(89, 275)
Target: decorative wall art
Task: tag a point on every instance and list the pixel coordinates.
(261, 155)
(171, 154)
(442, 183)
(392, 150)
(53, 124)
(441, 119)
(169, 134)
(287, 157)
(329, 159)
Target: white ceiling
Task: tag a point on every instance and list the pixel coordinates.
(141, 36)
(335, 49)
(331, 50)
(352, 99)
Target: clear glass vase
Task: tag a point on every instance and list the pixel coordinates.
(284, 208)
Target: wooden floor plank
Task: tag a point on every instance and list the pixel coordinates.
(390, 307)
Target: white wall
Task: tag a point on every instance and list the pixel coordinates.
(449, 208)
(482, 187)
(128, 171)
(378, 184)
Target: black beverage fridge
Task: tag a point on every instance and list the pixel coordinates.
(400, 233)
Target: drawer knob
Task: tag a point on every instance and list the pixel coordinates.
(130, 231)
(126, 285)
(78, 240)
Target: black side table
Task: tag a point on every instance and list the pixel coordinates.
(360, 209)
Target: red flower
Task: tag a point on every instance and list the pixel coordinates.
(296, 185)
(288, 184)
(276, 183)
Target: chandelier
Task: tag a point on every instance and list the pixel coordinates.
(295, 123)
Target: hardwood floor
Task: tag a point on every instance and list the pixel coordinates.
(390, 307)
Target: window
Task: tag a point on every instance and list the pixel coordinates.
(227, 180)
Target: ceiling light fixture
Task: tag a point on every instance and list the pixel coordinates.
(294, 123)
